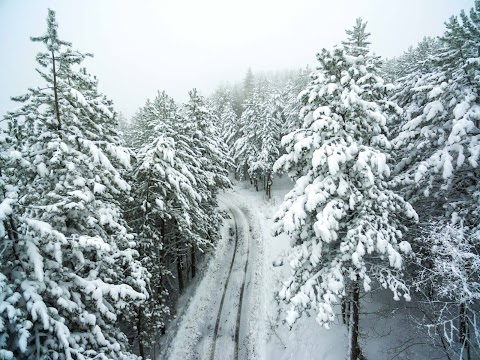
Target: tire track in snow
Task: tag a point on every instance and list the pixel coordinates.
(217, 323)
(238, 216)
(242, 289)
(237, 330)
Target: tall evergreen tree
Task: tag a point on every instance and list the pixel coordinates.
(292, 105)
(223, 106)
(208, 164)
(343, 220)
(438, 149)
(357, 42)
(71, 271)
(247, 147)
(248, 84)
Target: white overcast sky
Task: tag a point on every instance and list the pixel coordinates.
(142, 46)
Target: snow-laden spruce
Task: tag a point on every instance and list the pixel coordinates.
(292, 105)
(344, 222)
(221, 102)
(199, 123)
(439, 141)
(180, 167)
(69, 270)
(157, 185)
(258, 145)
(164, 193)
(438, 150)
(449, 269)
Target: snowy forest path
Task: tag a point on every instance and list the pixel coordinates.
(228, 323)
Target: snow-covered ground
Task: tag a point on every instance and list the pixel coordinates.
(262, 332)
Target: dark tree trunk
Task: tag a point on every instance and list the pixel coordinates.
(55, 92)
(463, 329)
(141, 345)
(164, 240)
(11, 229)
(269, 185)
(181, 285)
(462, 326)
(355, 353)
(346, 310)
(192, 257)
(9, 224)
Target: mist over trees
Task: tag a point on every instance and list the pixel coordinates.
(105, 221)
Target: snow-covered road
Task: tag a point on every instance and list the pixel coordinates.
(216, 324)
(227, 335)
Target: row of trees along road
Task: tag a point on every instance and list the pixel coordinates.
(97, 237)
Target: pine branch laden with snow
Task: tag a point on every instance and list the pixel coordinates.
(221, 103)
(180, 167)
(437, 152)
(448, 279)
(292, 107)
(357, 42)
(72, 275)
(258, 145)
(343, 221)
(438, 146)
(186, 162)
(210, 168)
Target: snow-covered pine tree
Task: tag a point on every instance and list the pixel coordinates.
(165, 192)
(71, 276)
(141, 217)
(257, 146)
(439, 140)
(357, 42)
(230, 129)
(247, 146)
(203, 155)
(222, 104)
(416, 60)
(270, 130)
(343, 220)
(292, 104)
(11, 316)
(248, 84)
(409, 70)
(439, 147)
(200, 122)
(140, 131)
(448, 272)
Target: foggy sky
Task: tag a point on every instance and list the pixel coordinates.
(144, 46)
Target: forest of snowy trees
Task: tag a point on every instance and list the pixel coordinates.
(104, 220)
